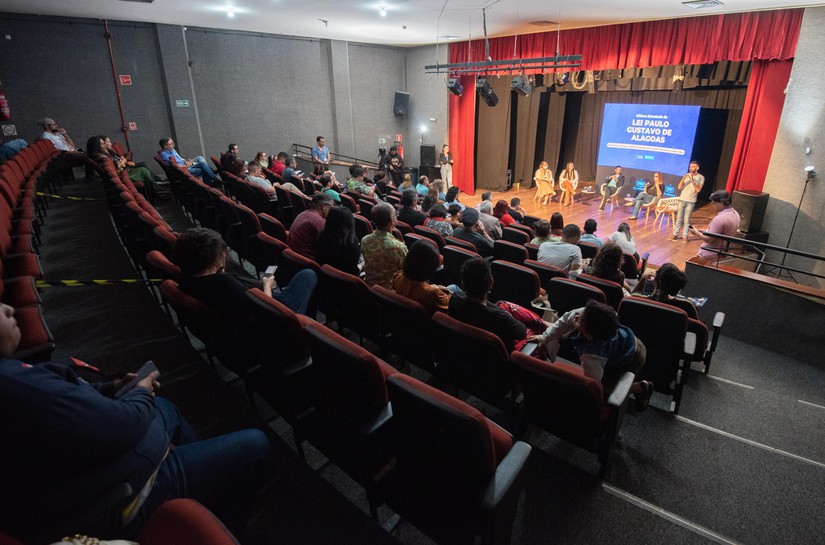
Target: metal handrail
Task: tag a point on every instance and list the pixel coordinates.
(760, 248)
(300, 150)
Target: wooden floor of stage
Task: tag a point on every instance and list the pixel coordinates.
(649, 238)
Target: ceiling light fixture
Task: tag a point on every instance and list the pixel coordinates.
(382, 10)
(230, 11)
(699, 4)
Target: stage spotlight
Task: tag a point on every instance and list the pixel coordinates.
(455, 87)
(521, 86)
(485, 91)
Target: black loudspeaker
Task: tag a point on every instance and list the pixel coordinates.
(751, 206)
(430, 171)
(428, 155)
(402, 103)
(757, 236)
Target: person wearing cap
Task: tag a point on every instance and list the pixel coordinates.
(57, 135)
(726, 222)
(472, 230)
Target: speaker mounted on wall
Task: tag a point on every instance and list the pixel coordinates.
(402, 104)
(428, 156)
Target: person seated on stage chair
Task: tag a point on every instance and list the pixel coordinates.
(413, 280)
(607, 264)
(279, 164)
(516, 210)
(68, 440)
(556, 225)
(472, 231)
(589, 235)
(197, 166)
(611, 185)
(409, 212)
(725, 222)
(569, 181)
(438, 220)
(593, 336)
(668, 281)
(545, 184)
(337, 244)
(308, 225)
(201, 255)
(651, 191)
(383, 253)
(491, 223)
(487, 196)
(357, 183)
(542, 230)
(423, 186)
(565, 254)
(452, 197)
(502, 212)
(228, 157)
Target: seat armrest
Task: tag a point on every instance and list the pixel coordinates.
(383, 416)
(506, 476)
(296, 367)
(718, 319)
(621, 390)
(529, 348)
(690, 343)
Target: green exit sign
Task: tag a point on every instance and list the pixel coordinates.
(182, 103)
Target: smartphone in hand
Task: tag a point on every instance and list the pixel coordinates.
(270, 271)
(145, 370)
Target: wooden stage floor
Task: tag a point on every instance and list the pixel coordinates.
(649, 238)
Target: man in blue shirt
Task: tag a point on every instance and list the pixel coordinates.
(197, 167)
(423, 186)
(320, 156)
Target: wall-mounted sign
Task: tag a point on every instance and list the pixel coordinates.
(9, 130)
(182, 103)
(132, 126)
(125, 79)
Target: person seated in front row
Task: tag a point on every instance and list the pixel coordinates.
(383, 253)
(228, 157)
(516, 210)
(413, 280)
(593, 336)
(67, 442)
(279, 164)
(668, 280)
(472, 231)
(409, 212)
(201, 255)
(329, 187)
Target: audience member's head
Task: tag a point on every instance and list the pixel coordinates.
(454, 210)
(501, 208)
(423, 180)
(430, 200)
(607, 260)
(379, 176)
(383, 214)
(486, 207)
(669, 279)
(598, 321)
(254, 169)
(340, 224)
(440, 185)
(409, 197)
(164, 142)
(421, 262)
(590, 226)
(556, 222)
(233, 149)
(438, 212)
(407, 181)
(95, 146)
(282, 156)
(625, 229)
(198, 250)
(571, 233)
(452, 194)
(260, 157)
(322, 203)
(542, 228)
(721, 196)
(487, 196)
(326, 181)
(476, 278)
(515, 202)
(236, 167)
(358, 173)
(469, 217)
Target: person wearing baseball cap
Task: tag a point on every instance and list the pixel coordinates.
(472, 230)
(726, 222)
(57, 135)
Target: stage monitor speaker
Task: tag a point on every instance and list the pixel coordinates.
(401, 104)
(751, 206)
(428, 155)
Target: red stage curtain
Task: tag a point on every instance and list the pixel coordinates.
(462, 135)
(760, 121)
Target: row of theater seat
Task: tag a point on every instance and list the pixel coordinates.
(22, 212)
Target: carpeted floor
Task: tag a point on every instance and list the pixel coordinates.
(674, 480)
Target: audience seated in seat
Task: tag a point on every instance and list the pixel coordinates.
(409, 212)
(491, 224)
(201, 255)
(563, 254)
(197, 167)
(337, 244)
(589, 235)
(357, 183)
(413, 280)
(68, 441)
(668, 280)
(383, 253)
(502, 212)
(542, 230)
(254, 174)
(330, 188)
(608, 265)
(438, 220)
(279, 164)
(606, 349)
(308, 225)
(228, 157)
(472, 231)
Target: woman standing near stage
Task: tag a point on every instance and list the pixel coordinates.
(445, 160)
(568, 181)
(545, 184)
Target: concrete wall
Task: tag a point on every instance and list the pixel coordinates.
(428, 100)
(802, 125)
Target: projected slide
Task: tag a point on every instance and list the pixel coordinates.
(651, 137)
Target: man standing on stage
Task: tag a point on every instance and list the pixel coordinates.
(320, 156)
(690, 186)
(726, 222)
(445, 159)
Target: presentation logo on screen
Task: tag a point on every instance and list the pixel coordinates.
(652, 137)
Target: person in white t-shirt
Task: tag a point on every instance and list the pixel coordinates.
(690, 185)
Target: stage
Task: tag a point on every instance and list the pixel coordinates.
(649, 238)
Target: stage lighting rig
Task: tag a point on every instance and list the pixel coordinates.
(455, 87)
(521, 86)
(485, 91)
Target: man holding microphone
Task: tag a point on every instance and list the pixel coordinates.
(690, 185)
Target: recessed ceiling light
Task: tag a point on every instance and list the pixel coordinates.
(699, 4)
(382, 10)
(544, 23)
(447, 37)
(230, 11)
